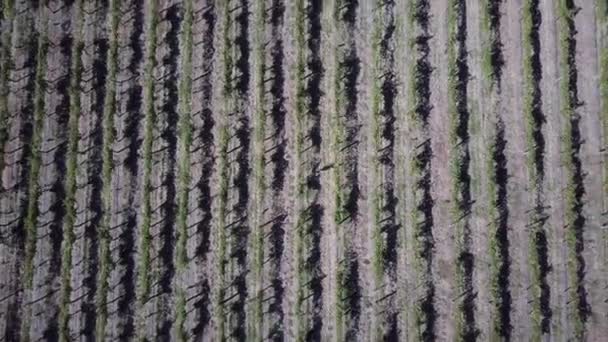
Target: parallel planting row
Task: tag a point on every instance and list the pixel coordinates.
(302, 170)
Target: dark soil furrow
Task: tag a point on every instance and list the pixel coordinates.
(239, 178)
(536, 143)
(458, 76)
(121, 170)
(575, 192)
(499, 241)
(310, 74)
(387, 228)
(347, 170)
(202, 158)
(422, 208)
(235, 171)
(88, 210)
(164, 185)
(275, 165)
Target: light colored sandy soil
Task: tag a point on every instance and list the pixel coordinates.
(481, 120)
(555, 173)
(403, 179)
(591, 158)
(329, 239)
(444, 256)
(289, 267)
(602, 47)
(515, 134)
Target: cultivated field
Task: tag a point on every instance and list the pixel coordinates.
(304, 170)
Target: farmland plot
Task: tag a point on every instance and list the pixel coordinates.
(303, 170)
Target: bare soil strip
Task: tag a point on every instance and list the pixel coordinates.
(346, 146)
(460, 159)
(591, 160)
(515, 151)
(601, 21)
(22, 87)
(309, 226)
(235, 169)
(43, 283)
(579, 307)
(497, 169)
(121, 171)
(535, 118)
(446, 295)
(384, 201)
(197, 277)
(83, 179)
(158, 301)
(421, 154)
(271, 225)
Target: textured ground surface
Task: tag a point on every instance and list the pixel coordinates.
(304, 170)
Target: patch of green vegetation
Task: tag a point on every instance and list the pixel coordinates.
(224, 167)
(34, 159)
(418, 169)
(185, 141)
(378, 195)
(301, 242)
(143, 281)
(570, 158)
(337, 127)
(181, 334)
(491, 39)
(256, 329)
(109, 109)
(185, 135)
(459, 156)
(71, 174)
(535, 177)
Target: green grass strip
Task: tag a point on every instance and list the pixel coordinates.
(377, 192)
(256, 328)
(338, 134)
(72, 170)
(491, 40)
(34, 157)
(185, 140)
(571, 157)
(536, 179)
(303, 196)
(459, 156)
(109, 108)
(185, 134)
(144, 275)
(224, 172)
(419, 169)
